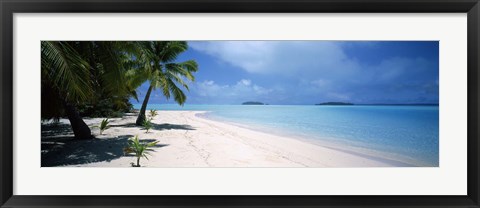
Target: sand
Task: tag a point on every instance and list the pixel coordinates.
(187, 140)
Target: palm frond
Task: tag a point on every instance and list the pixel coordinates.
(184, 68)
(66, 70)
(178, 94)
(113, 76)
(136, 77)
(173, 76)
(171, 50)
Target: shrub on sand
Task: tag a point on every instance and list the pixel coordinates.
(147, 124)
(153, 113)
(103, 125)
(140, 149)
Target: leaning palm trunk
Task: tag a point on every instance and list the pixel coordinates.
(141, 116)
(79, 127)
(156, 58)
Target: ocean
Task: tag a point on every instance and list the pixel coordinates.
(407, 134)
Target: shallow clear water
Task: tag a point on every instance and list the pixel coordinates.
(407, 134)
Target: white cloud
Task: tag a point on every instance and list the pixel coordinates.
(245, 82)
(267, 57)
(252, 56)
(261, 91)
(321, 62)
(312, 71)
(209, 88)
(241, 91)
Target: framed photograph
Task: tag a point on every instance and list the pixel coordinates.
(269, 103)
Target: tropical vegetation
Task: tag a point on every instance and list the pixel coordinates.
(140, 149)
(160, 69)
(104, 125)
(147, 125)
(153, 113)
(98, 78)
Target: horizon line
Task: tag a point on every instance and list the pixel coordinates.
(294, 104)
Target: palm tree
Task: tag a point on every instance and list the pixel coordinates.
(76, 73)
(65, 82)
(117, 72)
(157, 58)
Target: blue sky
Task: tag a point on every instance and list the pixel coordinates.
(309, 72)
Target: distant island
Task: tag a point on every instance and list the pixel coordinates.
(253, 103)
(334, 103)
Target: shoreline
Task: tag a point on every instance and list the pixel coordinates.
(334, 145)
(188, 140)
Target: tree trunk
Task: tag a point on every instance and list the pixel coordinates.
(80, 129)
(141, 116)
(138, 161)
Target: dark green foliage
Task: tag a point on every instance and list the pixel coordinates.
(153, 113)
(335, 103)
(140, 149)
(158, 61)
(147, 124)
(253, 103)
(105, 108)
(81, 74)
(96, 77)
(104, 125)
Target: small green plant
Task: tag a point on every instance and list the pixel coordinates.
(103, 125)
(140, 149)
(153, 113)
(147, 124)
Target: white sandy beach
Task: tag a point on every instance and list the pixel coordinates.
(186, 140)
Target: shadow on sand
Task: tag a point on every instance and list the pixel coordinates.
(60, 151)
(55, 130)
(159, 127)
(59, 147)
(167, 126)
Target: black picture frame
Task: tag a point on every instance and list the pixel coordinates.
(9, 7)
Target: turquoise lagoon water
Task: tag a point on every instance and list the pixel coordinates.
(406, 134)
